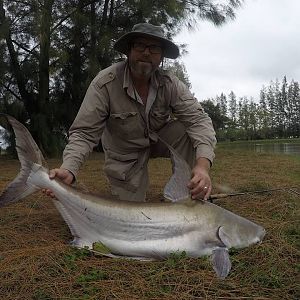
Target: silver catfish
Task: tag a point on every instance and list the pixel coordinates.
(135, 229)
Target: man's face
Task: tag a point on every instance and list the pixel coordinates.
(145, 56)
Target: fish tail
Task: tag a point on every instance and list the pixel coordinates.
(29, 156)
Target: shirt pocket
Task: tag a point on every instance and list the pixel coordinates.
(159, 116)
(125, 124)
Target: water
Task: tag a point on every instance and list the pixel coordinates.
(277, 148)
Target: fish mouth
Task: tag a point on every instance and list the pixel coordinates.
(260, 236)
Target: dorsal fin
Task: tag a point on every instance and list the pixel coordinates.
(176, 189)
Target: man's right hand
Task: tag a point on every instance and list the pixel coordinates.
(64, 175)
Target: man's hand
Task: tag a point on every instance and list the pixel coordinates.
(64, 175)
(200, 184)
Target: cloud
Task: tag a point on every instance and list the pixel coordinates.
(262, 44)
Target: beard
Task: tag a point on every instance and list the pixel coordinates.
(142, 68)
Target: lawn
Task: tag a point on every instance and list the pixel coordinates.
(36, 261)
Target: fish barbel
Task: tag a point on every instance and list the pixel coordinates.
(140, 230)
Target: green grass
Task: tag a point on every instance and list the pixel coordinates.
(36, 261)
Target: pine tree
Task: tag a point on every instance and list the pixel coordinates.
(232, 102)
(54, 48)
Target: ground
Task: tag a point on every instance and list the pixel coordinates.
(36, 261)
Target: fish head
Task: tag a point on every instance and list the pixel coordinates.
(241, 234)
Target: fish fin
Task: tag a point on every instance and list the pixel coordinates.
(26, 147)
(68, 219)
(102, 249)
(224, 237)
(176, 189)
(29, 155)
(19, 188)
(221, 262)
(111, 255)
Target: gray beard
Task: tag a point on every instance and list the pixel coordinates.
(142, 69)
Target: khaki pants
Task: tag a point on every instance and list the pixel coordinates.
(173, 134)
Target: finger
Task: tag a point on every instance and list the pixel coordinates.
(194, 179)
(201, 191)
(52, 173)
(207, 194)
(199, 187)
(49, 193)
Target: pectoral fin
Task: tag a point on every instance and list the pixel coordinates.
(224, 237)
(221, 262)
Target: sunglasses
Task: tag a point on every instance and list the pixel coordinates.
(141, 47)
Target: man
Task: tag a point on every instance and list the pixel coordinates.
(125, 104)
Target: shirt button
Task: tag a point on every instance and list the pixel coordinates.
(146, 133)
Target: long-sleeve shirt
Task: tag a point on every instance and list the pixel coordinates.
(113, 112)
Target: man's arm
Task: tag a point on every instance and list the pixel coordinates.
(87, 128)
(84, 135)
(201, 132)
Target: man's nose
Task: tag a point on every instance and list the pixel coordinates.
(147, 51)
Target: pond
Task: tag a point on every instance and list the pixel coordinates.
(277, 148)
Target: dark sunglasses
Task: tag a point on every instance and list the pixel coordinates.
(141, 47)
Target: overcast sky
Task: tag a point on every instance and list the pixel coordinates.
(260, 45)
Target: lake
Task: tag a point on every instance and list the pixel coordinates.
(278, 148)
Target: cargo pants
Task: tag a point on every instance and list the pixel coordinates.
(175, 135)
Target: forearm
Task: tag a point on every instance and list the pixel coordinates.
(203, 163)
(77, 151)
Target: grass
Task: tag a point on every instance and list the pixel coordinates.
(263, 141)
(37, 263)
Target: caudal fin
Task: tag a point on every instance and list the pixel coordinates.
(29, 154)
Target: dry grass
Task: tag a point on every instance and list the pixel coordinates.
(37, 263)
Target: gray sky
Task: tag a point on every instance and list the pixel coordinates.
(260, 45)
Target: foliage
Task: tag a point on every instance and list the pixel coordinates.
(178, 69)
(275, 116)
(52, 49)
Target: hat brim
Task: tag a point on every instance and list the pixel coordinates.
(170, 50)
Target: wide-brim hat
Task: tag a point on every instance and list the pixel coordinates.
(170, 50)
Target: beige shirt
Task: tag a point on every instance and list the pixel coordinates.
(113, 111)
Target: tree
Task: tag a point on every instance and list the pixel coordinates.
(232, 106)
(263, 114)
(219, 120)
(294, 109)
(54, 48)
(222, 102)
(178, 69)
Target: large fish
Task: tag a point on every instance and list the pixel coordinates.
(135, 229)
